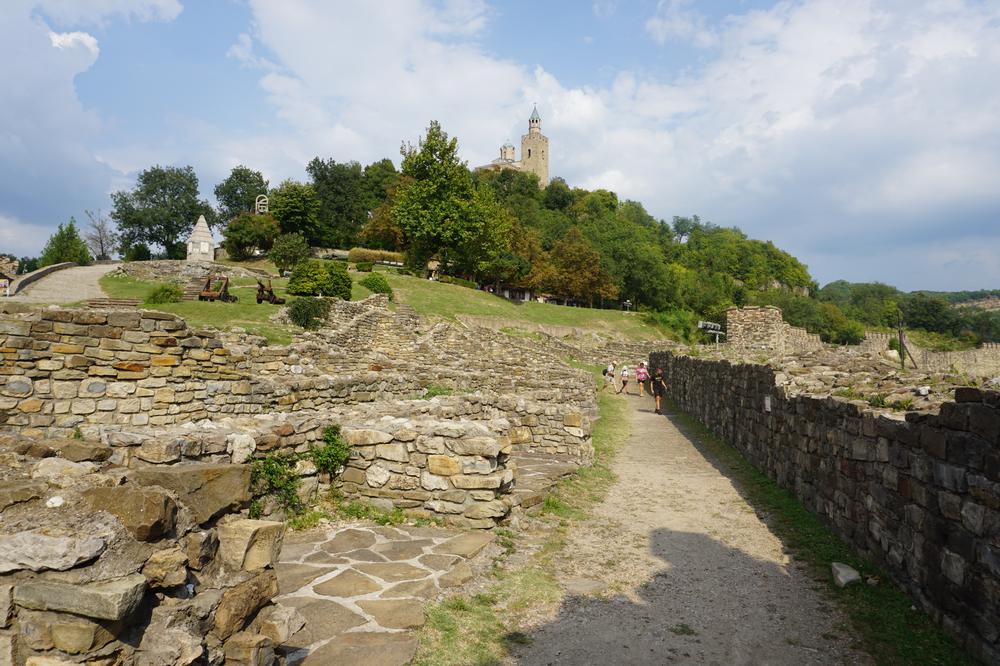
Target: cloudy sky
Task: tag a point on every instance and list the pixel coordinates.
(861, 135)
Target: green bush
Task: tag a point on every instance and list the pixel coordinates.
(448, 279)
(288, 250)
(165, 293)
(316, 277)
(364, 254)
(274, 475)
(334, 452)
(364, 266)
(65, 245)
(248, 233)
(376, 283)
(308, 312)
(138, 252)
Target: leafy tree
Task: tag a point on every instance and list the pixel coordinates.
(288, 250)
(558, 196)
(160, 210)
(578, 274)
(27, 265)
(100, 237)
(249, 233)
(930, 313)
(296, 208)
(65, 245)
(381, 231)
(438, 208)
(380, 179)
(343, 203)
(239, 191)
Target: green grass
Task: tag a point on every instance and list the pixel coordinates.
(480, 629)
(245, 313)
(448, 301)
(881, 614)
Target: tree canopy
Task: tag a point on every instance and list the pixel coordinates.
(65, 245)
(160, 210)
(239, 191)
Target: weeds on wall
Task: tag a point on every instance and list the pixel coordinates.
(273, 475)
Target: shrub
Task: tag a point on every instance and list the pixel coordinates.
(288, 250)
(65, 245)
(309, 313)
(275, 475)
(364, 254)
(334, 452)
(364, 266)
(376, 283)
(138, 252)
(317, 277)
(247, 233)
(448, 279)
(165, 293)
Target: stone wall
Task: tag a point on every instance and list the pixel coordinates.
(762, 329)
(921, 495)
(164, 572)
(65, 369)
(983, 361)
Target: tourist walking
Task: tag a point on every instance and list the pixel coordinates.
(659, 388)
(624, 380)
(609, 377)
(642, 378)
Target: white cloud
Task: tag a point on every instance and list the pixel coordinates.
(96, 12)
(47, 169)
(675, 20)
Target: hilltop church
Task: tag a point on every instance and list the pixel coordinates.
(534, 152)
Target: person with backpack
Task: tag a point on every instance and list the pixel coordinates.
(609, 377)
(624, 380)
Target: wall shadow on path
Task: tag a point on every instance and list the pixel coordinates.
(709, 604)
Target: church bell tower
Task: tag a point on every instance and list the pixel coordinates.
(535, 149)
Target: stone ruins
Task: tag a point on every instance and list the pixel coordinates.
(904, 464)
(128, 438)
(128, 441)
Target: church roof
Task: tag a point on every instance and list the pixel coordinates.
(534, 114)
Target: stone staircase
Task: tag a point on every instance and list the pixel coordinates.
(193, 288)
(113, 303)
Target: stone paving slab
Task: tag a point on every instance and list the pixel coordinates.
(362, 588)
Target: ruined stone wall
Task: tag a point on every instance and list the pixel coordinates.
(875, 342)
(921, 495)
(762, 329)
(983, 361)
(148, 565)
(64, 369)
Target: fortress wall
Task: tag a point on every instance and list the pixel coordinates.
(921, 496)
(761, 328)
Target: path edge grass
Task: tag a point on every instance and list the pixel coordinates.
(885, 619)
(481, 628)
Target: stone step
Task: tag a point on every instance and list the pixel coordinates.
(112, 303)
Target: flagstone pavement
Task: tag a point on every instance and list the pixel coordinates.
(362, 589)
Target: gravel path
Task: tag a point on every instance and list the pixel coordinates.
(69, 285)
(676, 567)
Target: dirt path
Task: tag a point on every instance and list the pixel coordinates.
(69, 285)
(675, 567)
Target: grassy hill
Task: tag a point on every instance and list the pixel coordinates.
(431, 299)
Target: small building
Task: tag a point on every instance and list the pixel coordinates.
(200, 245)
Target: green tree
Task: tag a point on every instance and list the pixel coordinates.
(343, 210)
(557, 195)
(380, 179)
(288, 250)
(238, 192)
(438, 209)
(296, 208)
(160, 210)
(578, 274)
(65, 245)
(249, 233)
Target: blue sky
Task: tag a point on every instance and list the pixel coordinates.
(863, 136)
